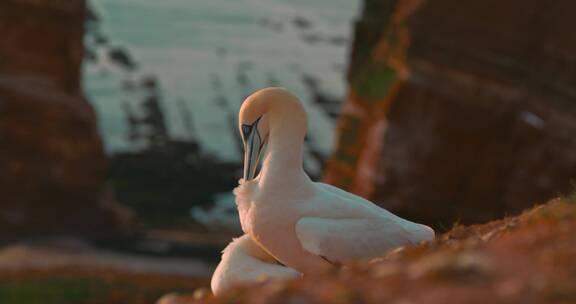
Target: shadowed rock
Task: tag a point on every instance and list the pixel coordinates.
(459, 111)
(52, 165)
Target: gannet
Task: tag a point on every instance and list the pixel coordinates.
(305, 225)
(244, 262)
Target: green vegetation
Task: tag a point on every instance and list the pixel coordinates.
(162, 186)
(374, 82)
(62, 289)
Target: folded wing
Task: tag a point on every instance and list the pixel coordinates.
(347, 240)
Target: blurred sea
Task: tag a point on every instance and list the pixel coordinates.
(200, 49)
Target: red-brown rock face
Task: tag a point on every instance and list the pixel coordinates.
(460, 110)
(52, 166)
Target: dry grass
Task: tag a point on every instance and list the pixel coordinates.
(530, 258)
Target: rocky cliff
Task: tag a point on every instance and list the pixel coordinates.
(459, 111)
(522, 259)
(52, 165)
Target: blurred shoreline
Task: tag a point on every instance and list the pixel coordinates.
(162, 138)
(291, 44)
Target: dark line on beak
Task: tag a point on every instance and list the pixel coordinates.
(246, 131)
(327, 260)
(250, 158)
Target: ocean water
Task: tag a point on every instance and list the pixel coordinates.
(188, 44)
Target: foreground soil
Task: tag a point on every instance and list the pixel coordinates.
(64, 270)
(81, 285)
(530, 258)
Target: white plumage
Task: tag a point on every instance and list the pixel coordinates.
(305, 225)
(244, 262)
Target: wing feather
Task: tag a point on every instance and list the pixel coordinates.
(347, 240)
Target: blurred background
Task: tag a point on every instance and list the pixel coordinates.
(118, 124)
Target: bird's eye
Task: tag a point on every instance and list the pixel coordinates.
(246, 129)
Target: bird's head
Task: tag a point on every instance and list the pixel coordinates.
(257, 115)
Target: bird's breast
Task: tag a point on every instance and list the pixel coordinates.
(245, 194)
(245, 212)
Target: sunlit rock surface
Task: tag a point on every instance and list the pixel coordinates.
(459, 111)
(522, 259)
(52, 166)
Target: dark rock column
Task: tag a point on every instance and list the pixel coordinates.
(376, 72)
(52, 165)
(483, 122)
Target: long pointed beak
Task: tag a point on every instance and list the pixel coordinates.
(252, 148)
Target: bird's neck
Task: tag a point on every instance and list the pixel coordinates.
(284, 155)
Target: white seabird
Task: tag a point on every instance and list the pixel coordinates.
(244, 262)
(305, 225)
